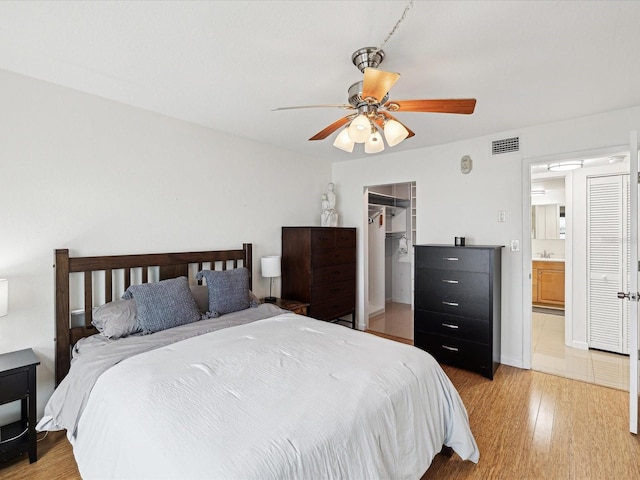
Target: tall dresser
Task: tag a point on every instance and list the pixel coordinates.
(319, 268)
(457, 305)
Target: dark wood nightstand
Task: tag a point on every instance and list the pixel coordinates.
(292, 305)
(18, 382)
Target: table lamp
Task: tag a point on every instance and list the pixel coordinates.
(270, 268)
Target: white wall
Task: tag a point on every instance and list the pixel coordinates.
(451, 204)
(99, 177)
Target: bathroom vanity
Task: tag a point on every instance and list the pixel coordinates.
(547, 282)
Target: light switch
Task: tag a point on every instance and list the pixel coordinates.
(502, 216)
(515, 245)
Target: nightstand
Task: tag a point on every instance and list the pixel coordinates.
(18, 382)
(292, 305)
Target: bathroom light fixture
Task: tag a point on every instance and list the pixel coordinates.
(565, 166)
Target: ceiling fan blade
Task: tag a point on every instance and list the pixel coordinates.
(343, 106)
(459, 105)
(391, 117)
(377, 83)
(322, 134)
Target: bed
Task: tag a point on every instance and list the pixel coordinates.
(256, 392)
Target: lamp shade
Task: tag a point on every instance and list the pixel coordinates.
(344, 142)
(4, 297)
(360, 129)
(374, 143)
(394, 132)
(270, 266)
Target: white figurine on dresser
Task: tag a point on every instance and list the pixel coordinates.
(329, 217)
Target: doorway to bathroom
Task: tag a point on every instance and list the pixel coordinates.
(574, 304)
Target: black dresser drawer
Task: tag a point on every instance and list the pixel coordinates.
(456, 258)
(14, 386)
(456, 352)
(346, 238)
(332, 256)
(332, 308)
(333, 273)
(448, 325)
(454, 292)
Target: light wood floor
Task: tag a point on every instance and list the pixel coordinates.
(528, 425)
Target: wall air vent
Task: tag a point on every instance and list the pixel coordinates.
(505, 145)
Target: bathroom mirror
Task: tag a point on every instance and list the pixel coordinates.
(547, 222)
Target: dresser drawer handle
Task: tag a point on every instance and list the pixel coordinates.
(452, 349)
(448, 325)
(450, 259)
(451, 304)
(450, 281)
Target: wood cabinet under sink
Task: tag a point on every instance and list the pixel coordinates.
(547, 284)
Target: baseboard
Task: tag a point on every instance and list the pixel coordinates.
(511, 361)
(579, 345)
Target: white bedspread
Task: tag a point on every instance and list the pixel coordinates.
(287, 397)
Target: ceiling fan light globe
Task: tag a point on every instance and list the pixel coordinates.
(374, 143)
(360, 129)
(343, 141)
(394, 132)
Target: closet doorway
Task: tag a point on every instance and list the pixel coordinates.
(391, 236)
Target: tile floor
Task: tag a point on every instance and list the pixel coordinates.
(396, 320)
(550, 355)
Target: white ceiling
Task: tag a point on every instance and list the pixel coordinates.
(227, 64)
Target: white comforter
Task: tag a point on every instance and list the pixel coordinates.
(284, 397)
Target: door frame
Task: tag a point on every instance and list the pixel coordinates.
(527, 163)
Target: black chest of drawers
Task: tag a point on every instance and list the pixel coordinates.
(457, 305)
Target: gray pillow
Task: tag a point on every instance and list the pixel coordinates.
(116, 319)
(164, 304)
(201, 295)
(228, 290)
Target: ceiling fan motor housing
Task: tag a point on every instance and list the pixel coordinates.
(367, 57)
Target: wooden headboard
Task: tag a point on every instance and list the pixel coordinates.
(169, 265)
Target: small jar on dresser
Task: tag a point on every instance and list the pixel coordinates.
(457, 305)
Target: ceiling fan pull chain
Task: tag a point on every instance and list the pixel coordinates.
(404, 14)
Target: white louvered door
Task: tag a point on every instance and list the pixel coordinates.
(608, 262)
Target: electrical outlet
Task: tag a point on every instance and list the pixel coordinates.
(502, 216)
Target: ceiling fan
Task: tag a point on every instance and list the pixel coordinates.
(369, 100)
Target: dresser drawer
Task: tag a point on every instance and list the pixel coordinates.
(453, 258)
(456, 352)
(478, 331)
(332, 309)
(14, 386)
(323, 238)
(333, 273)
(332, 256)
(457, 293)
(328, 291)
(346, 238)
